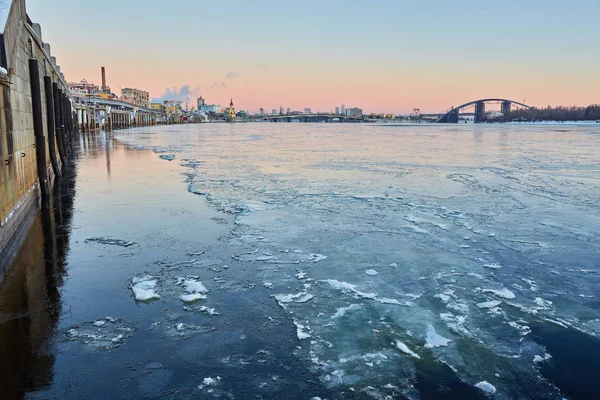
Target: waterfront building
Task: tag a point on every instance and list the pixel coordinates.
(158, 107)
(337, 111)
(83, 88)
(200, 102)
(288, 111)
(274, 112)
(262, 112)
(210, 108)
(343, 110)
(136, 96)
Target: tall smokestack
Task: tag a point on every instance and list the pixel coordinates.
(103, 79)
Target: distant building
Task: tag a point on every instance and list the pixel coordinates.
(83, 88)
(354, 112)
(343, 110)
(274, 112)
(280, 110)
(288, 111)
(200, 102)
(158, 107)
(262, 112)
(173, 107)
(136, 96)
(337, 111)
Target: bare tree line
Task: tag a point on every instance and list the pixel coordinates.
(561, 113)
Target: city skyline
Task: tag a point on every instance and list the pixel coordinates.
(385, 58)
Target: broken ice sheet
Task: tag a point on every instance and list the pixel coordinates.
(103, 333)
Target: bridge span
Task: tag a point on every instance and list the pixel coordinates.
(451, 116)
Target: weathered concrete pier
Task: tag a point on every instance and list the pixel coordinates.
(37, 126)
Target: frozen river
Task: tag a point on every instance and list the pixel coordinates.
(335, 261)
(391, 247)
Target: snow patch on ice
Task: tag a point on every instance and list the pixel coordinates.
(371, 272)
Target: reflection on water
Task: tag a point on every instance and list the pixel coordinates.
(30, 303)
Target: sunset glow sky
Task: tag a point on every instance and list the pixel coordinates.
(382, 55)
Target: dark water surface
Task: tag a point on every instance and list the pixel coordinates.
(387, 263)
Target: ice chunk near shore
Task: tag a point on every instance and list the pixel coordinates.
(371, 272)
(102, 334)
(143, 288)
(404, 348)
(195, 290)
(486, 387)
(434, 339)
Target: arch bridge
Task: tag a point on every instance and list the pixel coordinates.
(451, 116)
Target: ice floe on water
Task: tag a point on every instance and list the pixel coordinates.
(111, 242)
(302, 297)
(404, 348)
(539, 359)
(167, 157)
(340, 312)
(209, 382)
(195, 290)
(302, 330)
(502, 293)
(102, 334)
(434, 339)
(144, 288)
(184, 330)
(349, 288)
(489, 304)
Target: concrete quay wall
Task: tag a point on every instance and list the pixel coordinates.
(35, 133)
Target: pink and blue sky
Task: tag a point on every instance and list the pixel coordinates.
(381, 55)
